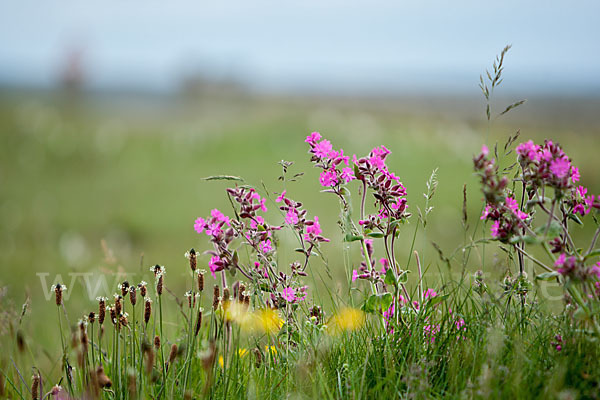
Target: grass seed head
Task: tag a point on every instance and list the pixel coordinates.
(201, 273)
(198, 322)
(133, 295)
(191, 255)
(147, 310)
(102, 379)
(216, 295)
(35, 387)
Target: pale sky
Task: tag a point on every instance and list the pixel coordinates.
(306, 45)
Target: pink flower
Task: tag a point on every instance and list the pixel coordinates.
(484, 150)
(199, 225)
(214, 264)
(354, 275)
(429, 293)
(315, 228)
(560, 260)
(399, 205)
(301, 293)
(263, 207)
(381, 151)
(289, 294)
(528, 150)
(313, 138)
(595, 270)
(323, 149)
(218, 215)
(575, 175)
(486, 212)
(328, 178)
(213, 230)
(495, 229)
(280, 198)
(560, 167)
(265, 246)
(384, 265)
(378, 162)
(430, 331)
(514, 207)
(256, 221)
(347, 175)
(291, 217)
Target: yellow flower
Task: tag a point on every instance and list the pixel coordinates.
(242, 352)
(221, 361)
(272, 349)
(268, 321)
(347, 319)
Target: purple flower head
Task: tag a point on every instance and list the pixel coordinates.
(560, 167)
(575, 174)
(528, 151)
(495, 229)
(213, 229)
(291, 217)
(323, 149)
(215, 264)
(266, 246)
(347, 175)
(280, 198)
(199, 225)
(484, 150)
(313, 138)
(218, 216)
(354, 275)
(315, 228)
(328, 178)
(384, 265)
(512, 205)
(429, 293)
(258, 220)
(565, 266)
(289, 294)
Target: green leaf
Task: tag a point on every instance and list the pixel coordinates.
(375, 235)
(403, 277)
(370, 304)
(390, 278)
(575, 218)
(547, 276)
(223, 178)
(386, 300)
(352, 238)
(553, 231)
(376, 302)
(593, 253)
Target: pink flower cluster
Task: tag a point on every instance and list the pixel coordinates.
(493, 185)
(547, 164)
(389, 192)
(296, 217)
(331, 161)
(292, 295)
(370, 272)
(507, 218)
(570, 266)
(213, 225)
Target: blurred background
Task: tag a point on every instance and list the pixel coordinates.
(111, 113)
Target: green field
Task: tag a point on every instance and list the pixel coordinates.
(112, 184)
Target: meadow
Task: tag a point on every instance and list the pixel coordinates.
(96, 190)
